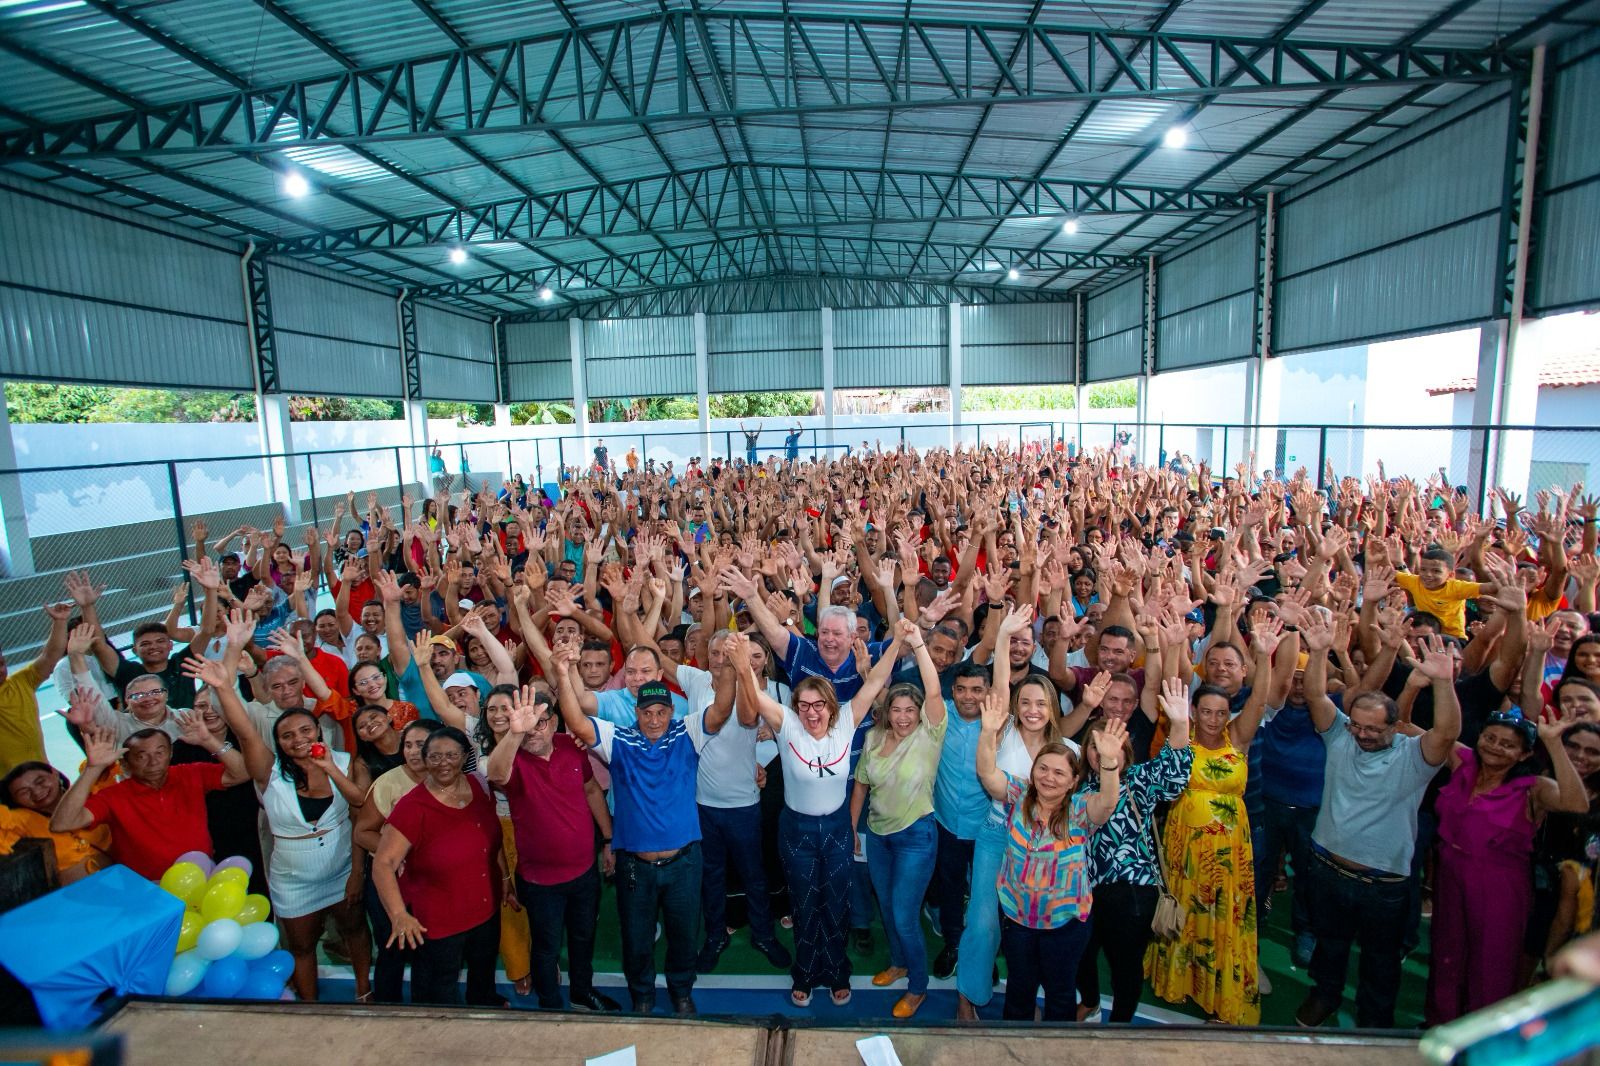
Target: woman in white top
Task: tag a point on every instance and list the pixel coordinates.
(814, 747)
(1035, 722)
(315, 869)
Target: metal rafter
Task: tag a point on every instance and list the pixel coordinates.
(1295, 117)
(809, 196)
(782, 292)
(830, 254)
(627, 73)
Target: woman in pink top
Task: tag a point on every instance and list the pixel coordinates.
(1483, 892)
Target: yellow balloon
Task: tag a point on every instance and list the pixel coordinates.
(185, 880)
(232, 875)
(256, 908)
(189, 932)
(222, 900)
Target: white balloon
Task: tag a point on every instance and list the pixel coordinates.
(188, 970)
(257, 940)
(219, 939)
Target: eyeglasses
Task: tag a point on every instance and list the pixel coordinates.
(1368, 730)
(147, 696)
(444, 758)
(810, 705)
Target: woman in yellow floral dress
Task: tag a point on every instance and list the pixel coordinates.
(1209, 866)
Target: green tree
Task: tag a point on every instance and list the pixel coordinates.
(543, 414)
(481, 414)
(1114, 394)
(33, 402)
(763, 404)
(343, 409)
(1027, 398)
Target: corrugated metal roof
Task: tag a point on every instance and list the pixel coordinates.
(66, 61)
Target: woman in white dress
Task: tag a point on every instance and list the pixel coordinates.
(315, 870)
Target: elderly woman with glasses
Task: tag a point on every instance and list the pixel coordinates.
(1489, 814)
(445, 904)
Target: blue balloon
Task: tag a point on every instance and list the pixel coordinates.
(187, 970)
(261, 985)
(279, 963)
(256, 941)
(225, 977)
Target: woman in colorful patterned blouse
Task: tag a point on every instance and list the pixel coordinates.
(1210, 867)
(1122, 861)
(1044, 877)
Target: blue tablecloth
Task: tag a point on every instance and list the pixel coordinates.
(111, 932)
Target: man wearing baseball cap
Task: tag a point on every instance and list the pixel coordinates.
(654, 767)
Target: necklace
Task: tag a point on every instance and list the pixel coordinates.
(452, 798)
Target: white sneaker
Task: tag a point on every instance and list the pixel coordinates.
(1263, 986)
(658, 932)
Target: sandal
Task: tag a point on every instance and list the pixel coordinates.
(800, 997)
(365, 997)
(523, 987)
(841, 997)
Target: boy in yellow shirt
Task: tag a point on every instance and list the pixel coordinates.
(1433, 590)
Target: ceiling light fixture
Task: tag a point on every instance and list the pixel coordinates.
(1012, 275)
(296, 185)
(458, 256)
(546, 294)
(1176, 137)
(1069, 226)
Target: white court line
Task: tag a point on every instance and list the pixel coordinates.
(780, 983)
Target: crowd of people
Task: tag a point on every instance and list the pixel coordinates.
(1047, 707)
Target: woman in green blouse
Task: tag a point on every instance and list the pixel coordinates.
(896, 774)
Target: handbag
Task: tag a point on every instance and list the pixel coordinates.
(1168, 921)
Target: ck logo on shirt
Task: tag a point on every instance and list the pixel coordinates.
(817, 766)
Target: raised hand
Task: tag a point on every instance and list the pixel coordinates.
(908, 633)
(81, 639)
(58, 612)
(209, 672)
(1108, 743)
(1174, 700)
(1266, 635)
(241, 628)
(524, 710)
(1094, 693)
(80, 589)
(387, 587)
(1437, 664)
(1016, 620)
(282, 640)
(204, 572)
(1551, 726)
(1317, 634)
(996, 711)
(191, 727)
(100, 747)
(82, 705)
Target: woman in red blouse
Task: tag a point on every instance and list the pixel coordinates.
(446, 905)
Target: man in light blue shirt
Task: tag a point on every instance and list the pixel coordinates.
(620, 706)
(960, 806)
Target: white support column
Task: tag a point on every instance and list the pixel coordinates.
(827, 374)
(702, 383)
(1516, 396)
(277, 440)
(415, 465)
(502, 418)
(580, 392)
(16, 549)
(955, 375)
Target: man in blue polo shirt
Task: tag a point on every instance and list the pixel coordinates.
(960, 807)
(656, 828)
(830, 657)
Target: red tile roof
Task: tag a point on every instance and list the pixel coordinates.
(1563, 369)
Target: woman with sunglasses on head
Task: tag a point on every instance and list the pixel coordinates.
(308, 792)
(438, 871)
(1488, 815)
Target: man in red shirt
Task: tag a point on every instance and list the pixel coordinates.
(159, 811)
(555, 806)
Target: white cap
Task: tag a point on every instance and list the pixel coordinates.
(459, 679)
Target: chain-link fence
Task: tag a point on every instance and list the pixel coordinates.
(133, 524)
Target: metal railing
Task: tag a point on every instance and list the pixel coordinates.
(130, 522)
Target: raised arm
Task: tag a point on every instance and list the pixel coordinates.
(751, 691)
(933, 706)
(746, 589)
(996, 711)
(1108, 741)
(257, 754)
(1264, 641)
(579, 724)
(505, 671)
(101, 752)
(877, 677)
(399, 646)
(1318, 636)
(1437, 666)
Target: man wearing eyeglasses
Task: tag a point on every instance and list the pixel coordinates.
(1366, 831)
(556, 805)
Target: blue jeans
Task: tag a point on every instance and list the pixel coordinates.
(980, 939)
(731, 836)
(861, 904)
(672, 890)
(901, 865)
(1284, 828)
(818, 853)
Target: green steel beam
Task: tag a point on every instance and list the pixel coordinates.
(801, 196)
(628, 73)
(825, 255)
(781, 292)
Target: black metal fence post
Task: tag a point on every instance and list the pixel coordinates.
(1483, 469)
(183, 537)
(1322, 458)
(311, 484)
(400, 477)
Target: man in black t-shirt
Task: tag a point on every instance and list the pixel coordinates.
(154, 654)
